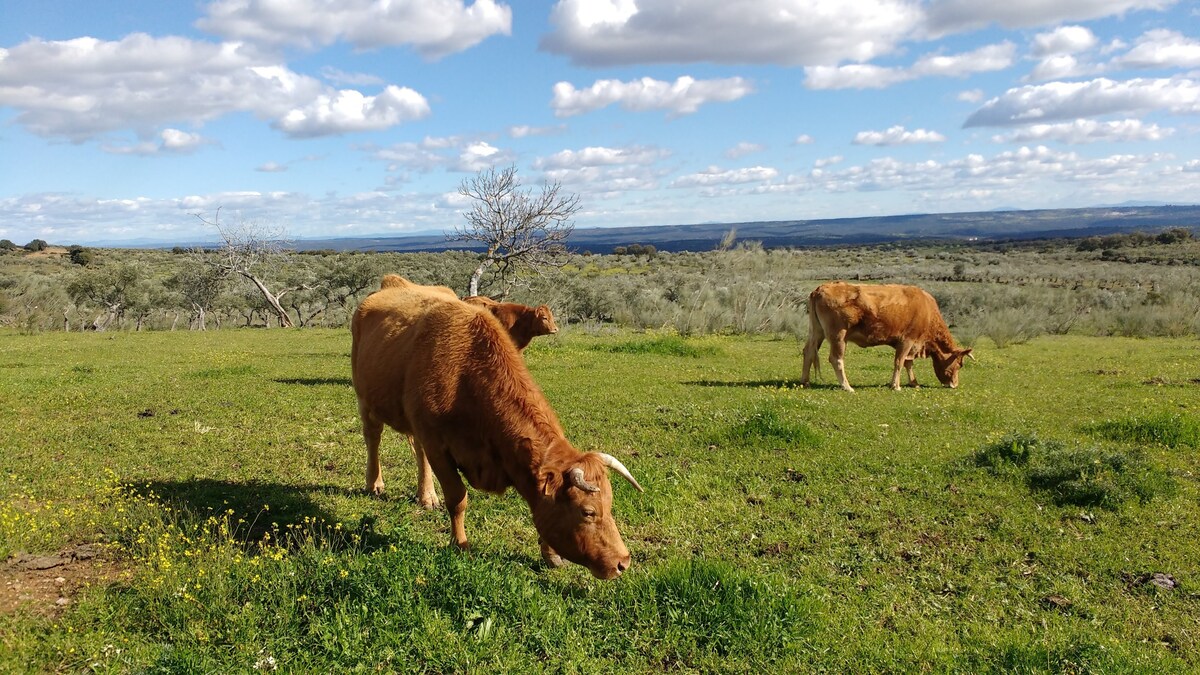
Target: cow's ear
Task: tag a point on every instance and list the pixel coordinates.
(549, 482)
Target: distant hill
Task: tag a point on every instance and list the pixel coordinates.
(981, 225)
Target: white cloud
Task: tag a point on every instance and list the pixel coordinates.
(897, 135)
(349, 111)
(1056, 101)
(449, 153)
(949, 16)
(601, 156)
(1087, 131)
(1059, 67)
(481, 155)
(867, 76)
(526, 131)
(715, 176)
(970, 96)
(742, 149)
(785, 32)
(83, 88)
(1063, 40)
(683, 97)
(1161, 49)
(170, 141)
(828, 161)
(803, 139)
(271, 167)
(340, 77)
(434, 28)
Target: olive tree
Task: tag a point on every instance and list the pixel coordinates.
(518, 228)
(251, 251)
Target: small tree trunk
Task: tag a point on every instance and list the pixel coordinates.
(478, 274)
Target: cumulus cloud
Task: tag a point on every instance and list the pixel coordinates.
(867, 76)
(784, 32)
(82, 88)
(804, 139)
(1087, 131)
(349, 111)
(682, 97)
(434, 28)
(340, 77)
(170, 141)
(714, 176)
(1055, 101)
(951, 16)
(897, 135)
(971, 96)
(1063, 40)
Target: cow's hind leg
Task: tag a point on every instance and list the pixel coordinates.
(372, 430)
(426, 496)
(811, 348)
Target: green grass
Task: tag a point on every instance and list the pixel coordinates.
(782, 529)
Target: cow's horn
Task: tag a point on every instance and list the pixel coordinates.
(616, 465)
(575, 477)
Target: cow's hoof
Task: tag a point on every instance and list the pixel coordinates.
(553, 559)
(429, 502)
(376, 489)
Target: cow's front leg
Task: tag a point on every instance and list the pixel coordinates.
(897, 364)
(426, 496)
(912, 376)
(552, 559)
(455, 494)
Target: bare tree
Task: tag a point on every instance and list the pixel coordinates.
(518, 228)
(246, 250)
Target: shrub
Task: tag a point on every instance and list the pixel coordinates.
(1014, 449)
(1075, 476)
(1167, 429)
(767, 425)
(667, 345)
(1093, 477)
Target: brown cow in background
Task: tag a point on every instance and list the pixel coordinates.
(522, 322)
(905, 318)
(447, 374)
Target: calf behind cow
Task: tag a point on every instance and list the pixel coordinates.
(903, 317)
(522, 322)
(446, 373)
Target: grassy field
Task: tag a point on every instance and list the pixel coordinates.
(192, 502)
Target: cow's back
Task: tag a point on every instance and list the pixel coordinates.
(876, 314)
(396, 333)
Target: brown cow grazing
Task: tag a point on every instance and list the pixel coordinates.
(904, 317)
(522, 322)
(446, 373)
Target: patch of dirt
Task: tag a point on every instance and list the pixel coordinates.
(48, 584)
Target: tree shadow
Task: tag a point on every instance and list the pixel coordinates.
(315, 381)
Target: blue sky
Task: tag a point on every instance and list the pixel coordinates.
(120, 122)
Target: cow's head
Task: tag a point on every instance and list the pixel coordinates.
(573, 512)
(543, 320)
(946, 365)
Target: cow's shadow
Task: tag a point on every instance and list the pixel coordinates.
(251, 509)
(749, 384)
(315, 381)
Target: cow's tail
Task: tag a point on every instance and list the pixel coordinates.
(814, 329)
